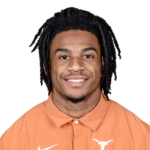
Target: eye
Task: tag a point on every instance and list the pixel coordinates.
(84, 55)
(88, 55)
(63, 56)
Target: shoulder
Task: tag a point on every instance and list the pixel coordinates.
(23, 126)
(129, 117)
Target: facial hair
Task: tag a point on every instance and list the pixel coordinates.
(76, 100)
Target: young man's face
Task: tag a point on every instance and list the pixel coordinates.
(75, 54)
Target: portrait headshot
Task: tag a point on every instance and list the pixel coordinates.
(75, 76)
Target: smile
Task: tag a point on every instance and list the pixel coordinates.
(76, 82)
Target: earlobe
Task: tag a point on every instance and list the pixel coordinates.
(102, 67)
(44, 68)
(102, 64)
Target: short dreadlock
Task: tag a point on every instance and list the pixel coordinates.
(71, 19)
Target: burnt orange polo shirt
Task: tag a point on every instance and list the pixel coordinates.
(109, 126)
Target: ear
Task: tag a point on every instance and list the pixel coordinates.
(44, 68)
(102, 69)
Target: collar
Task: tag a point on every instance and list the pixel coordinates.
(92, 120)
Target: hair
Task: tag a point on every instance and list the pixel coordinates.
(72, 19)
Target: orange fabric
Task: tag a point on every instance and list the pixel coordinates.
(109, 126)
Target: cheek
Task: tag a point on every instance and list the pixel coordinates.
(54, 71)
(58, 70)
(98, 74)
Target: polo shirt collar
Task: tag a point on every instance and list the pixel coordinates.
(92, 120)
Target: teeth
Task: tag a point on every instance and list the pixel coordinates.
(76, 80)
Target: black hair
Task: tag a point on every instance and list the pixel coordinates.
(71, 19)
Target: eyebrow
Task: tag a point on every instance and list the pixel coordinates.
(67, 50)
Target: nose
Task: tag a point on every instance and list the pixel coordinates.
(76, 64)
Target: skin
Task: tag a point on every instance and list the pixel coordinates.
(75, 63)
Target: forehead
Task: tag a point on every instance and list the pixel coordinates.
(74, 38)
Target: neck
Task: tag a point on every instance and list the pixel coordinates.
(76, 110)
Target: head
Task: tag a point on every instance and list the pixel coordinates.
(64, 43)
(75, 54)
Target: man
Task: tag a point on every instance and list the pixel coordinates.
(77, 60)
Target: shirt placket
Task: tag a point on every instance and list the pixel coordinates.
(76, 135)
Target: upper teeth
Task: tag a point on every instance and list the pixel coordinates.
(76, 80)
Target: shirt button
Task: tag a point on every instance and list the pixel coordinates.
(76, 122)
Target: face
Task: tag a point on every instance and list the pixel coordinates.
(75, 64)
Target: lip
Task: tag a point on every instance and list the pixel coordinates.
(76, 77)
(76, 84)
